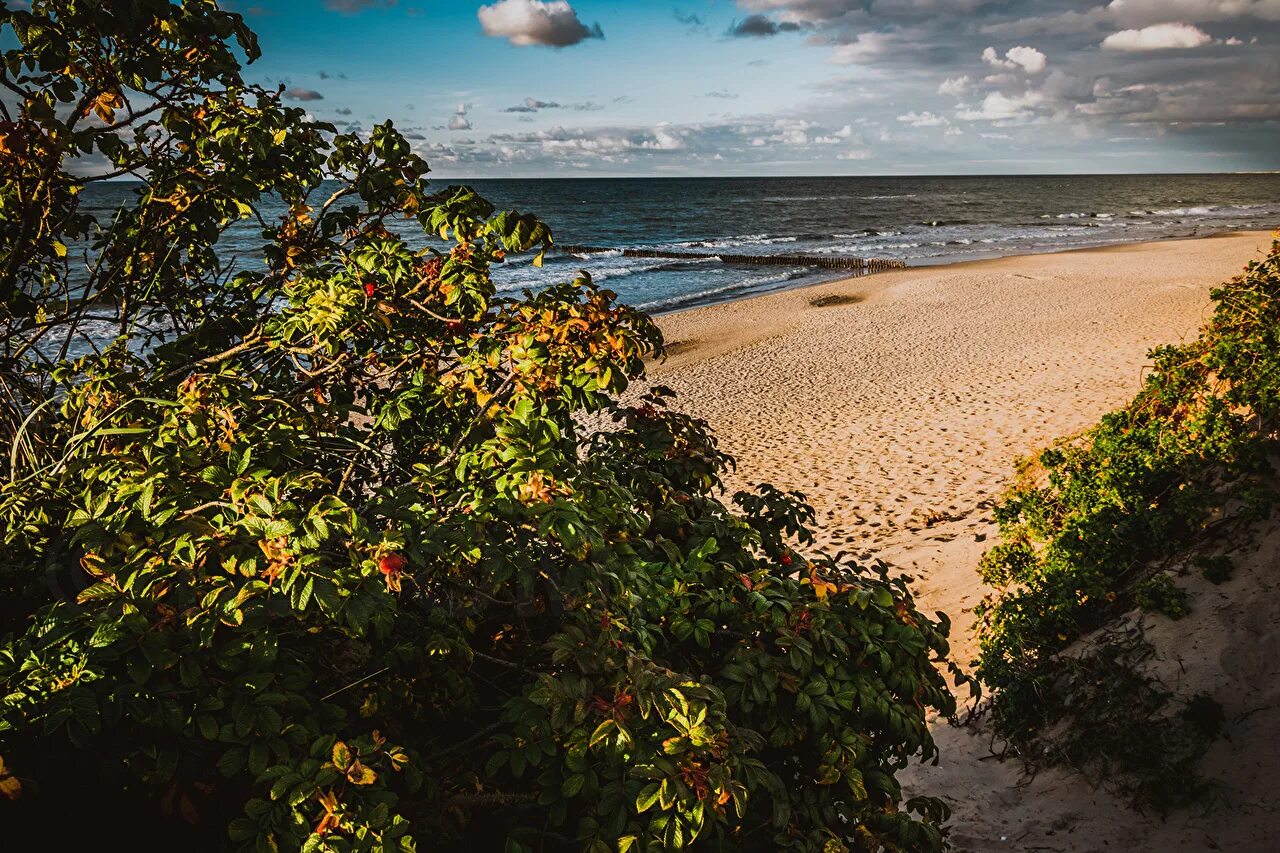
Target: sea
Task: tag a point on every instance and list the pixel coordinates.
(924, 220)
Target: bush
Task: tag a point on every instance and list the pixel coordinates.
(1079, 544)
(324, 554)
(1159, 594)
(1216, 570)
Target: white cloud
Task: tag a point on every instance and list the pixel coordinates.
(549, 23)
(1027, 58)
(1005, 108)
(843, 134)
(955, 86)
(1157, 37)
(924, 119)
(460, 120)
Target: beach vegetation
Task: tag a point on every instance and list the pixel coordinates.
(335, 547)
(1098, 524)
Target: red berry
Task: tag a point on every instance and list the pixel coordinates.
(454, 325)
(391, 564)
(370, 289)
(785, 559)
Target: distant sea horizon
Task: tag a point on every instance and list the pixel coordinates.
(919, 220)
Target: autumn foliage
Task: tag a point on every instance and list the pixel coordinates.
(334, 548)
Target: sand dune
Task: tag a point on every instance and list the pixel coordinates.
(898, 403)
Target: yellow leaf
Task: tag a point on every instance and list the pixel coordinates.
(358, 774)
(341, 755)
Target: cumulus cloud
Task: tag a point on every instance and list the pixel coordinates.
(526, 23)
(955, 86)
(998, 107)
(923, 119)
(844, 134)
(1157, 37)
(297, 93)
(460, 120)
(760, 26)
(1026, 58)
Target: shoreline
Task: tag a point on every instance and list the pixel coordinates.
(953, 262)
(899, 403)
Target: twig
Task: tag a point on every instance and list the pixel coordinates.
(354, 684)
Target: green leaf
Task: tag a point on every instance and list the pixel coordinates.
(647, 797)
(572, 785)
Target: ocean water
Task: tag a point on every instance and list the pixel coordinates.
(919, 220)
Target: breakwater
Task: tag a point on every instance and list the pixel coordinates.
(823, 262)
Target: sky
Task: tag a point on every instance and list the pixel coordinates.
(515, 88)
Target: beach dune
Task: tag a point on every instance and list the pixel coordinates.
(898, 404)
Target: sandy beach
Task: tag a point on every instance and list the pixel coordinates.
(899, 402)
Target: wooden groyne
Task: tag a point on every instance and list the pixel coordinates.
(831, 263)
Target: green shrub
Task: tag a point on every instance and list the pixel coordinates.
(1137, 488)
(1216, 570)
(1159, 594)
(326, 555)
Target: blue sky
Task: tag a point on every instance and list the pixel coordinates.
(553, 88)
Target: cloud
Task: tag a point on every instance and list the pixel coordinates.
(844, 134)
(924, 119)
(460, 120)
(760, 26)
(299, 94)
(998, 107)
(579, 141)
(1140, 13)
(1027, 58)
(532, 105)
(693, 21)
(343, 111)
(752, 139)
(545, 23)
(1157, 37)
(724, 94)
(956, 86)
(866, 47)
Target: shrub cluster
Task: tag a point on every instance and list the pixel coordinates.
(323, 553)
(1082, 532)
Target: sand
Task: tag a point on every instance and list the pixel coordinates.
(898, 403)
